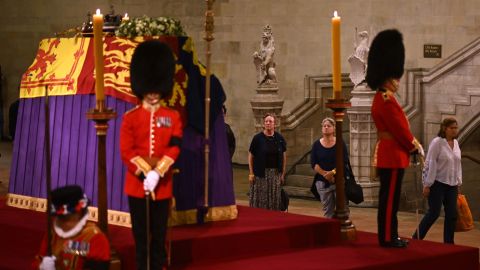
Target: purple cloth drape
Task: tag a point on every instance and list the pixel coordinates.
(190, 182)
(74, 150)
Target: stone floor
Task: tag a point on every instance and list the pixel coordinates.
(363, 218)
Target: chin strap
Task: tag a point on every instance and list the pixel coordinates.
(75, 230)
(151, 107)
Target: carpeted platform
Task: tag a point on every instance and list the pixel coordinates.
(362, 254)
(255, 233)
(258, 239)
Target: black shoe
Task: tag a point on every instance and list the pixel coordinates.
(405, 241)
(397, 243)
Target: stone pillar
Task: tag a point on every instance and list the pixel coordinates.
(267, 100)
(363, 137)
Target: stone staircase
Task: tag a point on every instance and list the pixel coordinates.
(465, 109)
(298, 184)
(461, 104)
(302, 125)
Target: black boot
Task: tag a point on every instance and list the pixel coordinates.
(396, 243)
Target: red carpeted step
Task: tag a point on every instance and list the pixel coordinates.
(258, 239)
(20, 232)
(256, 232)
(362, 254)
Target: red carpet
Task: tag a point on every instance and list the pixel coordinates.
(258, 239)
(361, 255)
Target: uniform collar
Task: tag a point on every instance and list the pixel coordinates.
(74, 231)
(390, 87)
(149, 107)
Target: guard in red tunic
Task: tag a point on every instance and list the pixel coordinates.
(150, 138)
(76, 242)
(395, 140)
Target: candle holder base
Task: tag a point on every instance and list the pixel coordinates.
(115, 262)
(101, 117)
(347, 229)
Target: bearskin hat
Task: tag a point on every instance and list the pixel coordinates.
(68, 200)
(386, 58)
(152, 69)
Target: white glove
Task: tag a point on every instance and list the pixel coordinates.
(151, 181)
(48, 263)
(421, 151)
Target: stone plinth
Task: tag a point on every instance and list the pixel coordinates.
(363, 137)
(267, 101)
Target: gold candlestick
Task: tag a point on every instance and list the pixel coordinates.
(347, 229)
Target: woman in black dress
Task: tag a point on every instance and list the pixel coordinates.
(266, 161)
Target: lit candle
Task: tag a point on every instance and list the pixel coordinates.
(336, 68)
(125, 18)
(98, 54)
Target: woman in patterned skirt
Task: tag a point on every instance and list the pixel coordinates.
(266, 161)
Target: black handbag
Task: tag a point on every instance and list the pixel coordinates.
(284, 200)
(314, 190)
(353, 190)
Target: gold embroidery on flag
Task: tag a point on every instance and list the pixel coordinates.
(48, 70)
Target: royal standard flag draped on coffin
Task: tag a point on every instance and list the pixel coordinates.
(65, 66)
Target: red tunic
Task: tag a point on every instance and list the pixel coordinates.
(72, 253)
(148, 134)
(395, 141)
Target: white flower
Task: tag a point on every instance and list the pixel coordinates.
(150, 26)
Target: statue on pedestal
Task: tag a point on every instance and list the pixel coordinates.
(358, 60)
(263, 59)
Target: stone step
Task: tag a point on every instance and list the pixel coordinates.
(296, 180)
(446, 109)
(298, 192)
(461, 100)
(473, 91)
(304, 169)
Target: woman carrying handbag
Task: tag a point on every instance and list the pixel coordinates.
(442, 176)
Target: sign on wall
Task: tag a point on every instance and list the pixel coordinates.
(432, 51)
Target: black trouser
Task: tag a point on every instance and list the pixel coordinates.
(388, 200)
(440, 193)
(158, 230)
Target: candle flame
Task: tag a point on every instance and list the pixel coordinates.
(126, 15)
(98, 11)
(335, 14)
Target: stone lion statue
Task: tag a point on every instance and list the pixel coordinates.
(263, 59)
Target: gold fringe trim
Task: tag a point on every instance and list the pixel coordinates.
(120, 218)
(217, 213)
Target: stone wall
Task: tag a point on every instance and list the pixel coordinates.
(301, 29)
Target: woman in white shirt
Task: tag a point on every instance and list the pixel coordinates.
(442, 176)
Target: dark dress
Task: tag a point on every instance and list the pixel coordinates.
(267, 152)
